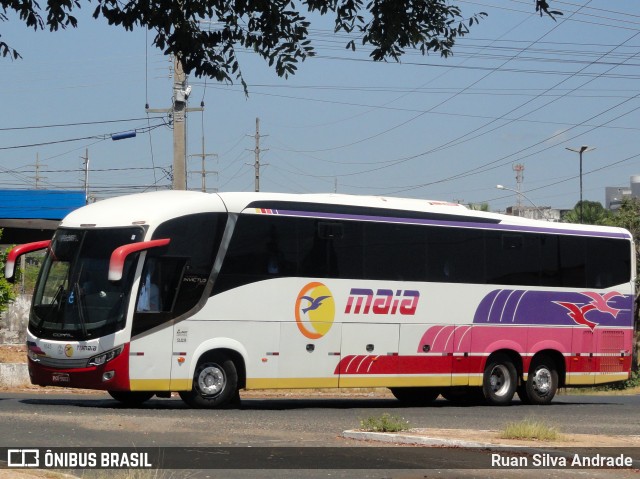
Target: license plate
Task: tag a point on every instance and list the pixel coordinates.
(60, 378)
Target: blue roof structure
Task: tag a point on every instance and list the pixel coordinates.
(39, 204)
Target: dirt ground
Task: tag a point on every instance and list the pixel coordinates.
(13, 354)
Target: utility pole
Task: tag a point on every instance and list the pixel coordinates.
(257, 151)
(519, 169)
(37, 168)
(203, 171)
(580, 151)
(178, 112)
(85, 159)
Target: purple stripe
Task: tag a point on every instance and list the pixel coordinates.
(542, 307)
(457, 224)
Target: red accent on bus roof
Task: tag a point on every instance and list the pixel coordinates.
(119, 255)
(15, 253)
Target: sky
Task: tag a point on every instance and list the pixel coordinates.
(519, 90)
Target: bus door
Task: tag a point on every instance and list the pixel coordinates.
(150, 361)
(309, 355)
(463, 363)
(152, 329)
(583, 362)
(426, 353)
(370, 355)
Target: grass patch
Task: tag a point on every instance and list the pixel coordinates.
(529, 429)
(384, 423)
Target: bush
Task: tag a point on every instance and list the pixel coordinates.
(384, 423)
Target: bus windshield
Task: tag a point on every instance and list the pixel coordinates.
(73, 297)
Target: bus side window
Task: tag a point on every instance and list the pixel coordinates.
(159, 284)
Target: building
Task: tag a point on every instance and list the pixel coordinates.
(615, 194)
(545, 213)
(33, 215)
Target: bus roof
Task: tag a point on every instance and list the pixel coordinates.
(154, 208)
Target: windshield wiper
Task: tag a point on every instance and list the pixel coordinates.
(80, 306)
(56, 304)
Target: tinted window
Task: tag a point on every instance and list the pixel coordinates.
(512, 258)
(455, 255)
(174, 277)
(609, 262)
(572, 267)
(265, 247)
(395, 252)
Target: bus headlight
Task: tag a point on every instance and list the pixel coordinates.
(104, 358)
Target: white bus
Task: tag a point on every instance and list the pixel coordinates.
(208, 294)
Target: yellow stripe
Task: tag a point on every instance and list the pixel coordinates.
(460, 380)
(150, 384)
(475, 380)
(389, 382)
(597, 378)
(609, 378)
(291, 383)
(181, 384)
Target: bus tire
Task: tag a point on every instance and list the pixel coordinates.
(415, 396)
(542, 382)
(131, 398)
(215, 384)
(500, 380)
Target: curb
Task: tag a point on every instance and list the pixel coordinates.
(417, 440)
(14, 375)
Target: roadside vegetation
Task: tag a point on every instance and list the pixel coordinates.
(530, 429)
(384, 423)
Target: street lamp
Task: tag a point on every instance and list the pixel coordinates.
(502, 187)
(580, 151)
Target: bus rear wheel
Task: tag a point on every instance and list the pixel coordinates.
(131, 398)
(542, 381)
(215, 384)
(500, 380)
(415, 396)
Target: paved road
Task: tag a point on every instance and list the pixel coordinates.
(72, 420)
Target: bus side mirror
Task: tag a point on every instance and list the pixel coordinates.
(15, 253)
(119, 255)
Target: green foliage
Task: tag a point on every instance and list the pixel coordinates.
(593, 213)
(632, 382)
(273, 29)
(384, 423)
(479, 206)
(530, 429)
(7, 293)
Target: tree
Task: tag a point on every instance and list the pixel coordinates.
(479, 206)
(7, 293)
(628, 217)
(593, 213)
(273, 29)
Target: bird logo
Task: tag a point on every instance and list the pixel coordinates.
(314, 303)
(577, 313)
(599, 302)
(315, 310)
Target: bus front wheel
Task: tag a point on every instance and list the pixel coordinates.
(500, 380)
(215, 384)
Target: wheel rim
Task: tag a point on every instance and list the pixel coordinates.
(542, 381)
(211, 380)
(499, 380)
